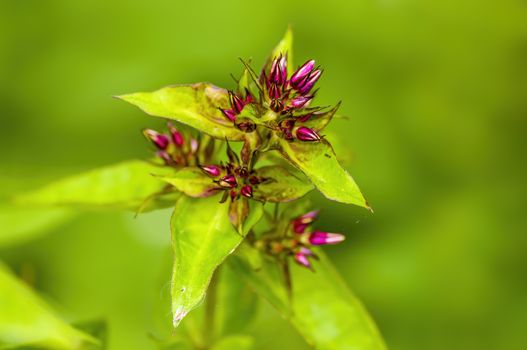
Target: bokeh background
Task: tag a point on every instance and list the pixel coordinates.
(436, 98)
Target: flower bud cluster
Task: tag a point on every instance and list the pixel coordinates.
(299, 240)
(236, 180)
(287, 100)
(173, 147)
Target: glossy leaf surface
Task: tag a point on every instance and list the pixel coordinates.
(318, 162)
(196, 105)
(192, 182)
(280, 185)
(202, 237)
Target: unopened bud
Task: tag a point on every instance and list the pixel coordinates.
(278, 73)
(302, 73)
(177, 137)
(212, 170)
(274, 91)
(159, 140)
(300, 101)
(236, 102)
(247, 191)
(229, 114)
(301, 223)
(165, 156)
(302, 259)
(228, 181)
(310, 82)
(321, 238)
(306, 134)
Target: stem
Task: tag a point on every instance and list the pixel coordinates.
(287, 279)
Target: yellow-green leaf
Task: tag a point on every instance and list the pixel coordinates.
(192, 182)
(280, 185)
(322, 308)
(318, 162)
(124, 185)
(202, 237)
(25, 320)
(196, 105)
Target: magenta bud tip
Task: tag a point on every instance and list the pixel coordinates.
(229, 114)
(212, 170)
(301, 73)
(160, 141)
(306, 134)
(302, 259)
(300, 101)
(228, 181)
(247, 191)
(321, 238)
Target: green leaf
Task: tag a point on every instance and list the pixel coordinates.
(322, 308)
(196, 105)
(20, 224)
(320, 120)
(285, 47)
(318, 162)
(236, 303)
(237, 342)
(202, 237)
(281, 185)
(192, 182)
(25, 320)
(124, 185)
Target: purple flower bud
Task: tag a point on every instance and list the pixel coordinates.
(228, 181)
(177, 137)
(160, 141)
(274, 91)
(278, 73)
(301, 73)
(229, 114)
(300, 101)
(310, 82)
(233, 194)
(248, 97)
(165, 156)
(247, 191)
(236, 103)
(309, 217)
(301, 223)
(306, 251)
(321, 238)
(299, 228)
(306, 134)
(302, 259)
(212, 170)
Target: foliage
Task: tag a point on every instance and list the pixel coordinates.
(251, 198)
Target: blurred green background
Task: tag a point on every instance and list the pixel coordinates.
(436, 94)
